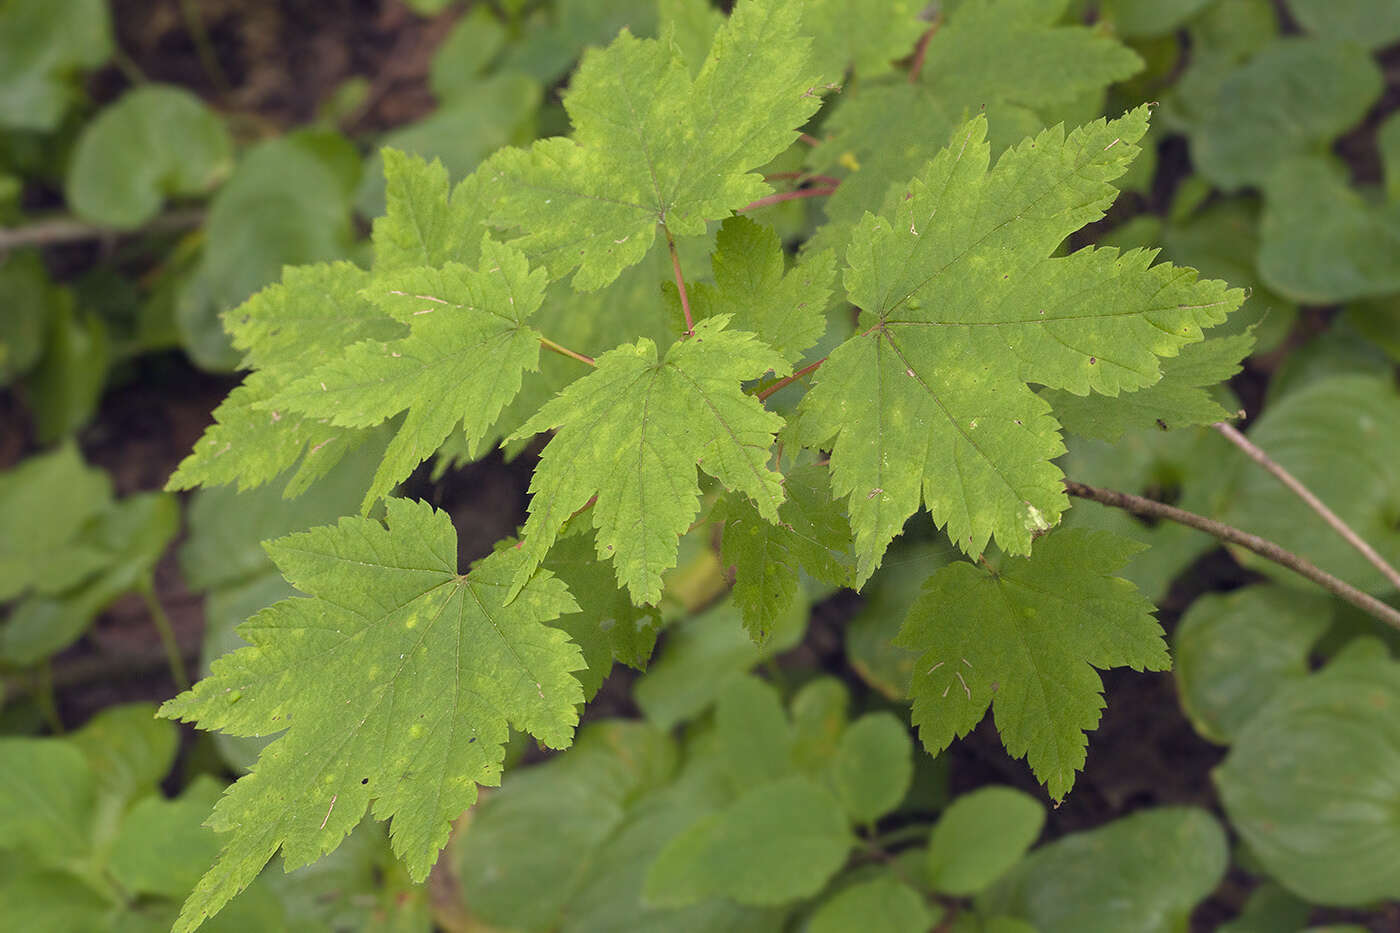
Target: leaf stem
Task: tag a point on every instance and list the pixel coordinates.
(565, 351)
(809, 139)
(921, 50)
(680, 281)
(1313, 502)
(68, 230)
(44, 697)
(764, 394)
(803, 177)
(1228, 533)
(166, 631)
(788, 196)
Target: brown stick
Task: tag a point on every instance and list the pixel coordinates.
(1313, 502)
(1264, 548)
(71, 230)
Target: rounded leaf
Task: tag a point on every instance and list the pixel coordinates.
(980, 837)
(1312, 783)
(884, 905)
(156, 142)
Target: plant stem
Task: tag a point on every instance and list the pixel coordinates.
(680, 282)
(194, 25)
(809, 139)
(69, 230)
(565, 351)
(167, 635)
(786, 381)
(44, 697)
(803, 177)
(1313, 502)
(788, 196)
(921, 50)
(1264, 548)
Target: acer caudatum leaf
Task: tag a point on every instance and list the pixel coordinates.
(395, 680)
(965, 304)
(1024, 639)
(633, 432)
(462, 362)
(653, 145)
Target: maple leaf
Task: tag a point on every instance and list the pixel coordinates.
(786, 308)
(964, 306)
(868, 35)
(811, 535)
(1012, 59)
(1025, 639)
(1182, 398)
(395, 682)
(632, 433)
(461, 362)
(652, 145)
(426, 222)
(285, 330)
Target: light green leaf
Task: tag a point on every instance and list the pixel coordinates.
(786, 308)
(980, 837)
(66, 386)
(818, 721)
(1268, 909)
(488, 114)
(646, 148)
(425, 223)
(158, 141)
(1144, 872)
(873, 766)
(45, 502)
(247, 243)
(930, 403)
(1235, 652)
(47, 798)
(529, 847)
(548, 50)
(884, 905)
(632, 433)
(867, 37)
(397, 678)
(870, 634)
(607, 626)
(1146, 18)
(704, 655)
(285, 331)
(1180, 399)
(1338, 437)
(29, 298)
(474, 41)
(777, 843)
(1025, 639)
(129, 750)
(1322, 242)
(1294, 97)
(163, 846)
(1371, 23)
(43, 48)
(461, 362)
(753, 733)
(1311, 783)
(1012, 58)
(811, 537)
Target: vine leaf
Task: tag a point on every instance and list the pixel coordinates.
(786, 308)
(285, 330)
(652, 145)
(426, 222)
(1025, 639)
(462, 362)
(395, 682)
(633, 431)
(965, 306)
